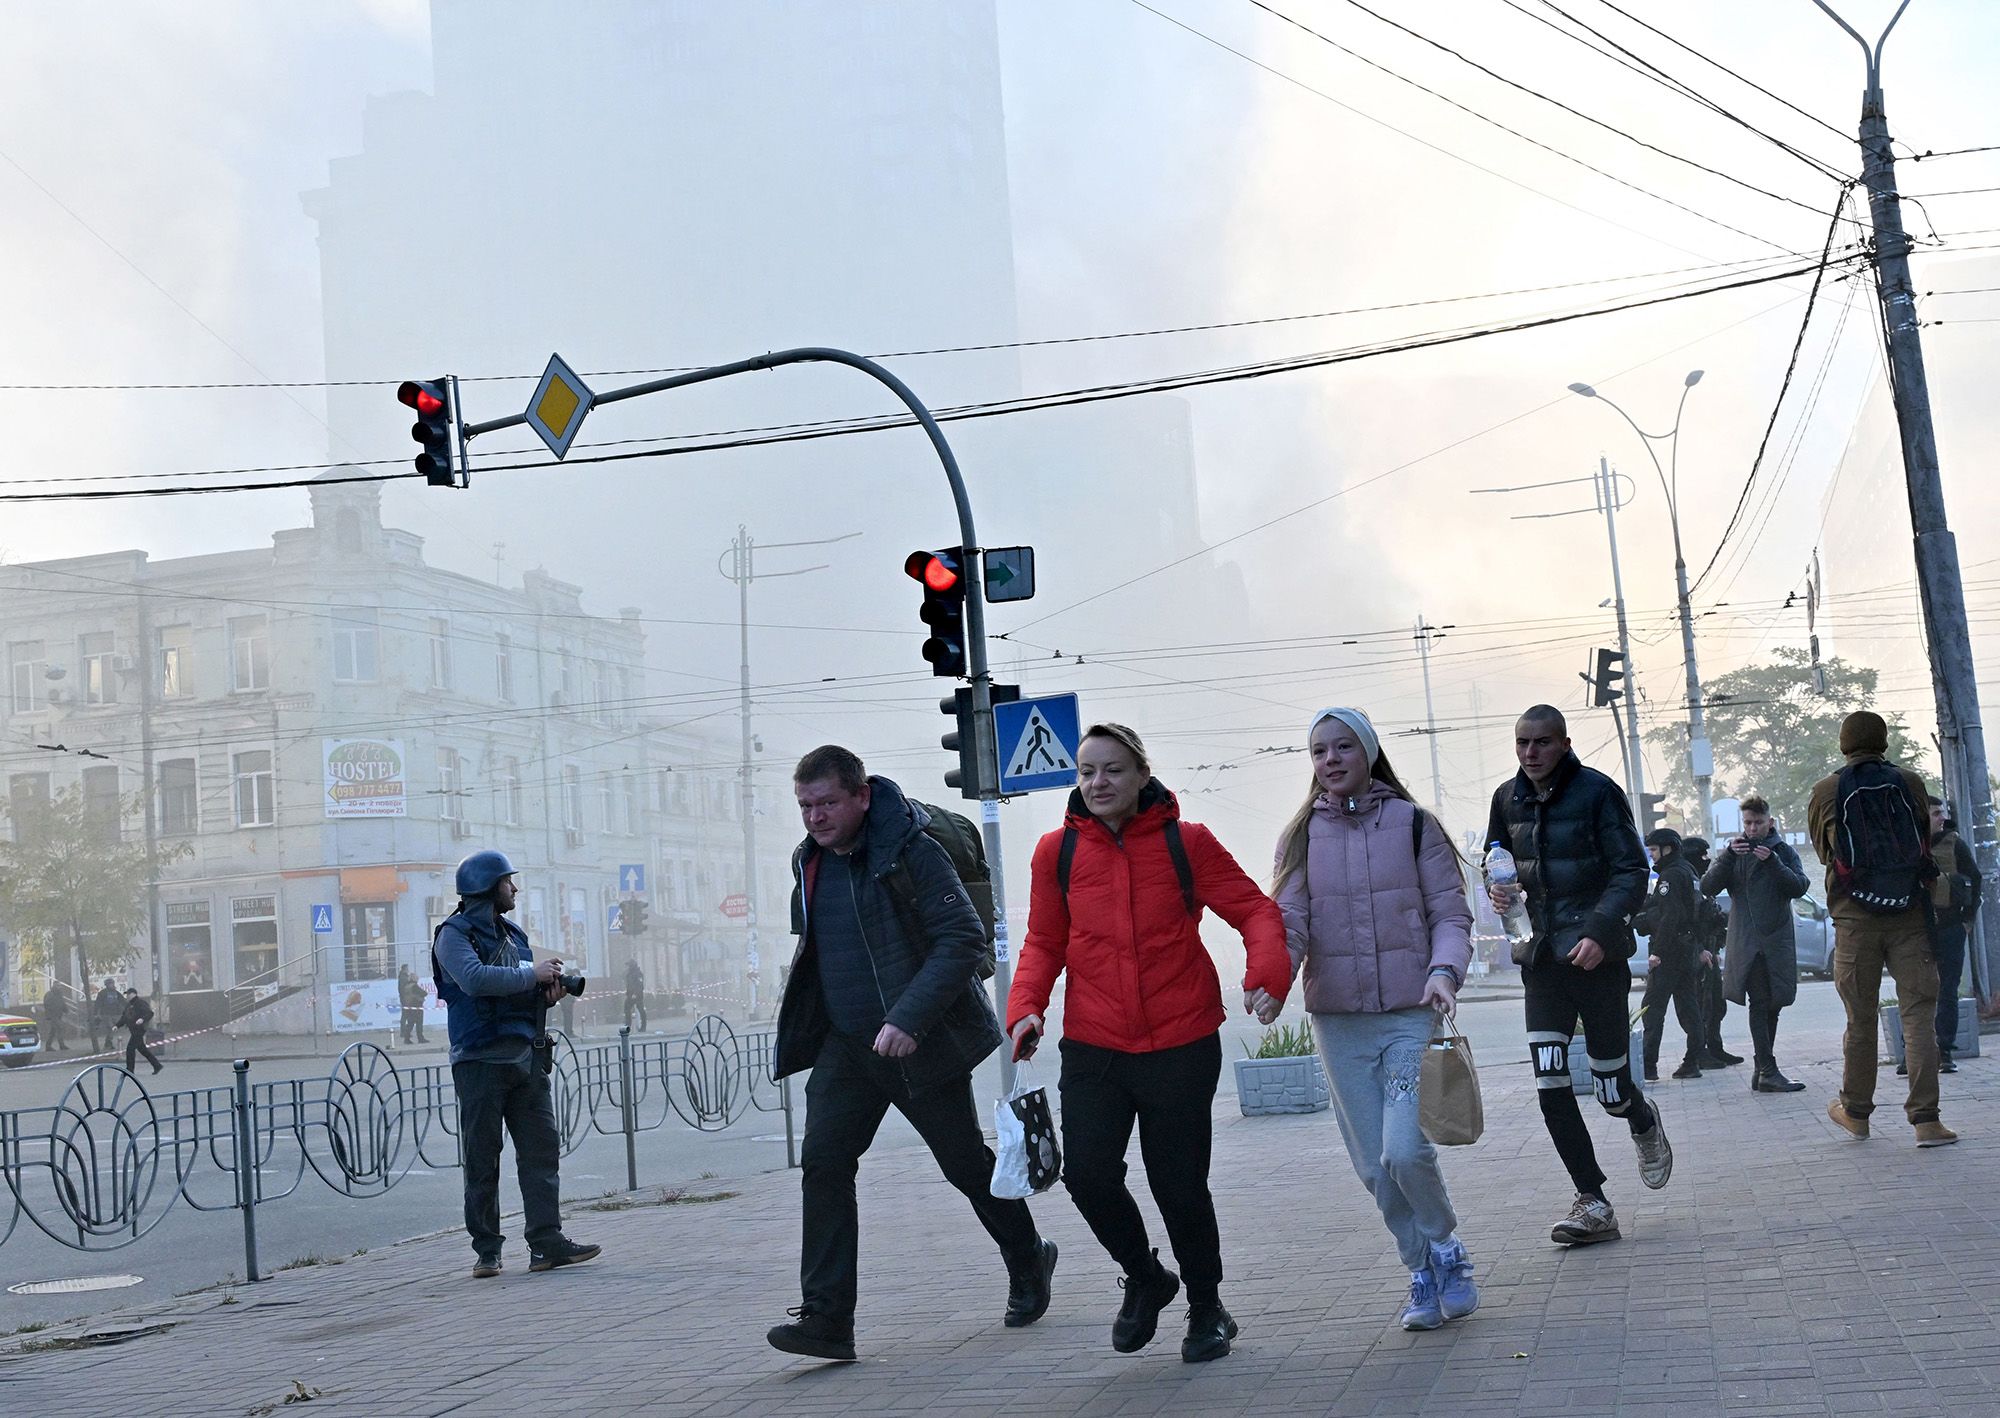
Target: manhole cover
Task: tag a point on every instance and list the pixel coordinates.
(74, 1284)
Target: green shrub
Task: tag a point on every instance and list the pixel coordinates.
(1284, 1041)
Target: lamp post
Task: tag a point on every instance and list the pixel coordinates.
(1701, 759)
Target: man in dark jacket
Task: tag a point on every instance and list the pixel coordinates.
(1570, 831)
(1715, 932)
(1867, 942)
(136, 1018)
(1954, 902)
(1676, 955)
(1763, 877)
(104, 1012)
(55, 1011)
(886, 1010)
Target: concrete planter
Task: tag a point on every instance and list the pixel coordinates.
(1579, 1063)
(1967, 1046)
(1289, 1085)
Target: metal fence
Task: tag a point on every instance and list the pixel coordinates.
(105, 1164)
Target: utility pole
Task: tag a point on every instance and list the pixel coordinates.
(1939, 585)
(1424, 634)
(1607, 497)
(149, 669)
(742, 570)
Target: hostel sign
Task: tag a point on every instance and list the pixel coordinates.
(364, 778)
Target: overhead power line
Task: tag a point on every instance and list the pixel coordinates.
(1062, 399)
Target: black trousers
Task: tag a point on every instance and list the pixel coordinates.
(413, 1018)
(637, 1002)
(135, 1044)
(513, 1097)
(1558, 995)
(1713, 1006)
(1169, 1093)
(851, 1090)
(1763, 1013)
(1683, 984)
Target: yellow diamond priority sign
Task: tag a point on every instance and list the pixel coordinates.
(557, 409)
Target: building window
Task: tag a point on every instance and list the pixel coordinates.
(568, 680)
(369, 928)
(190, 946)
(98, 681)
(452, 807)
(607, 802)
(254, 929)
(628, 784)
(100, 800)
(600, 692)
(572, 800)
(27, 666)
(440, 653)
(509, 786)
(249, 652)
(180, 797)
(27, 796)
(256, 789)
(176, 661)
(355, 633)
(503, 667)
(627, 701)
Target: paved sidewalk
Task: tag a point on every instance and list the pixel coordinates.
(1787, 1270)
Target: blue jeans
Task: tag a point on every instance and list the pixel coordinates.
(1373, 1062)
(1948, 945)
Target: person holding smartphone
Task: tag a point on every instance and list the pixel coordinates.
(1763, 876)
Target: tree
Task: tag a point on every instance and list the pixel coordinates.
(1774, 734)
(72, 891)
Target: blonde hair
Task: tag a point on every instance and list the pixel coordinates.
(1126, 738)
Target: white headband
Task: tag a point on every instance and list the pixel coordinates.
(1355, 720)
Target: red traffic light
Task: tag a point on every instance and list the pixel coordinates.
(938, 573)
(423, 398)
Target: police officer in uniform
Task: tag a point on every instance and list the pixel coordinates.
(498, 997)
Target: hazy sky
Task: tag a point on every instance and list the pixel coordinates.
(154, 157)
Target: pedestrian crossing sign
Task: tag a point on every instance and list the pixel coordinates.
(1036, 740)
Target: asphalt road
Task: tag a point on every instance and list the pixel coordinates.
(190, 1249)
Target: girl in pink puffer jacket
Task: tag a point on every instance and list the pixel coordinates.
(1375, 911)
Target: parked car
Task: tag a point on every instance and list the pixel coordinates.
(1812, 928)
(20, 1039)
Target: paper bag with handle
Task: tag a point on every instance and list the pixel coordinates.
(1449, 1109)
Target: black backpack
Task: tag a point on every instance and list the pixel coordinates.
(1176, 849)
(1881, 844)
(967, 850)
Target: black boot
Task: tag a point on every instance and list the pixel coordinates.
(1028, 1286)
(1688, 1069)
(814, 1336)
(1208, 1333)
(1145, 1296)
(1769, 1080)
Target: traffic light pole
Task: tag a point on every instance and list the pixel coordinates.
(975, 599)
(1941, 590)
(1635, 766)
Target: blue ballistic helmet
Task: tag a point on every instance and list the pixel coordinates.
(481, 872)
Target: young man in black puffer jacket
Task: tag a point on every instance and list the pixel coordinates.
(1584, 872)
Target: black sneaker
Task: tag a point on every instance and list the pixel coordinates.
(1652, 1073)
(1208, 1334)
(563, 1252)
(814, 1336)
(1028, 1286)
(1139, 1316)
(1903, 1069)
(1720, 1058)
(485, 1267)
(1689, 1069)
(1946, 1065)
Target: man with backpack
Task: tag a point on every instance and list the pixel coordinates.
(883, 1004)
(1869, 824)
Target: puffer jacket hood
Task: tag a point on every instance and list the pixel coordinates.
(1140, 979)
(1369, 916)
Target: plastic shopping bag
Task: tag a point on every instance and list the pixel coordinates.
(1449, 1108)
(1027, 1160)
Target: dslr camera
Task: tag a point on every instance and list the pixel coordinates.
(571, 983)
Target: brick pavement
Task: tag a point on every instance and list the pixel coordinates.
(1786, 1271)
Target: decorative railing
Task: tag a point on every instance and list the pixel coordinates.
(105, 1164)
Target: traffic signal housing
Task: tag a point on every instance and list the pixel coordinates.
(964, 740)
(942, 575)
(632, 916)
(1604, 685)
(434, 429)
(1652, 813)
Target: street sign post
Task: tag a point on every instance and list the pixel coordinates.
(736, 907)
(632, 878)
(1036, 742)
(322, 919)
(556, 411)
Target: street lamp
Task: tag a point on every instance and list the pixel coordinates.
(1701, 759)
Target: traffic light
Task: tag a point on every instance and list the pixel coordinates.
(943, 576)
(964, 740)
(1603, 684)
(435, 425)
(633, 917)
(1652, 813)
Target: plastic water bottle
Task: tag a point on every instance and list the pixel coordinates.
(1501, 871)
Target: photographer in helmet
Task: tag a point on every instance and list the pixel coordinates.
(498, 998)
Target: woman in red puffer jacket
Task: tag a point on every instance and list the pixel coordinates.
(1118, 893)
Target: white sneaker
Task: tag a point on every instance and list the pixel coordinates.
(1589, 1221)
(1656, 1154)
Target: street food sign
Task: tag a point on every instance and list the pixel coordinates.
(365, 778)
